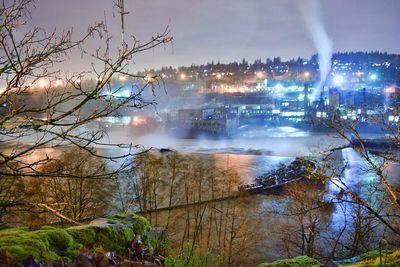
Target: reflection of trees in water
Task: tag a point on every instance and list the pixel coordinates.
(334, 225)
(76, 187)
(226, 228)
(309, 218)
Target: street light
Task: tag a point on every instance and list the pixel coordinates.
(182, 76)
(373, 77)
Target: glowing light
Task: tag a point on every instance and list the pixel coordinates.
(182, 76)
(338, 80)
(149, 78)
(125, 93)
(43, 83)
(58, 83)
(279, 87)
(393, 118)
(306, 74)
(390, 90)
(125, 120)
(219, 76)
(122, 78)
(260, 75)
(373, 77)
(292, 114)
(139, 121)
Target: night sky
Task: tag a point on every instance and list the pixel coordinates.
(227, 30)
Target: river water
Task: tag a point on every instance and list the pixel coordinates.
(255, 152)
(251, 154)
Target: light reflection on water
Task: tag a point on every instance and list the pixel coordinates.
(249, 166)
(235, 154)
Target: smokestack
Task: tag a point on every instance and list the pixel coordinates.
(311, 12)
(306, 102)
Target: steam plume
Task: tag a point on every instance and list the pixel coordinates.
(311, 12)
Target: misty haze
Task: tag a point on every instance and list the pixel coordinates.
(199, 133)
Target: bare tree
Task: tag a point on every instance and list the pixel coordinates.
(377, 155)
(199, 204)
(30, 67)
(42, 108)
(12, 196)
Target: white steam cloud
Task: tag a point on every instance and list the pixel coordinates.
(311, 12)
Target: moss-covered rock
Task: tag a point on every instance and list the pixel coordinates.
(301, 261)
(389, 258)
(51, 243)
(139, 224)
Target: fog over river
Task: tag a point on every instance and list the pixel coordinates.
(251, 154)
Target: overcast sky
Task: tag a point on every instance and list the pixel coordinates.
(228, 30)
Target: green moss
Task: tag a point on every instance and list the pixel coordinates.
(113, 238)
(51, 243)
(139, 224)
(112, 221)
(301, 261)
(83, 235)
(120, 216)
(370, 255)
(373, 259)
(40, 244)
(59, 239)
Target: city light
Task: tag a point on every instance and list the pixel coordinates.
(43, 83)
(306, 74)
(149, 78)
(219, 76)
(279, 87)
(138, 120)
(182, 76)
(373, 77)
(338, 80)
(122, 78)
(58, 83)
(260, 75)
(390, 90)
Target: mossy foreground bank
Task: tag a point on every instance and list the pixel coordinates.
(370, 259)
(116, 234)
(50, 244)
